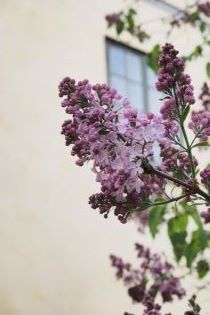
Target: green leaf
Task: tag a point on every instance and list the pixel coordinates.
(120, 27)
(130, 22)
(156, 218)
(152, 56)
(202, 26)
(193, 16)
(130, 19)
(185, 113)
(165, 98)
(132, 11)
(177, 231)
(202, 144)
(208, 69)
(202, 268)
(199, 241)
(142, 35)
(198, 51)
(207, 42)
(193, 212)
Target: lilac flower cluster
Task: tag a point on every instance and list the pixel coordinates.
(204, 7)
(119, 142)
(192, 15)
(200, 124)
(206, 215)
(117, 139)
(125, 21)
(153, 276)
(105, 129)
(113, 18)
(155, 309)
(205, 97)
(142, 219)
(205, 178)
(152, 308)
(174, 83)
(200, 120)
(176, 161)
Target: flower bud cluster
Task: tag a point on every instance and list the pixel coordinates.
(155, 309)
(174, 83)
(200, 124)
(205, 178)
(176, 161)
(206, 215)
(205, 97)
(152, 308)
(153, 276)
(113, 18)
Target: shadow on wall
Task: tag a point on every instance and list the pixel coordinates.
(6, 305)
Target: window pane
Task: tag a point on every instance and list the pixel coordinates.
(156, 159)
(135, 95)
(119, 84)
(154, 102)
(133, 66)
(151, 77)
(116, 57)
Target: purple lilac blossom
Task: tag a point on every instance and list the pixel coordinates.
(154, 275)
(205, 96)
(175, 84)
(120, 141)
(200, 124)
(117, 140)
(175, 160)
(113, 18)
(206, 215)
(204, 7)
(205, 177)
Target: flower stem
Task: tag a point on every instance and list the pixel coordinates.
(189, 151)
(193, 189)
(181, 122)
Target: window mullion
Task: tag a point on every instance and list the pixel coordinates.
(144, 84)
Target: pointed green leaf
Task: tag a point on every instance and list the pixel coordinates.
(185, 113)
(120, 27)
(177, 231)
(130, 19)
(193, 212)
(199, 241)
(202, 144)
(132, 11)
(208, 69)
(152, 60)
(165, 98)
(156, 215)
(202, 268)
(202, 26)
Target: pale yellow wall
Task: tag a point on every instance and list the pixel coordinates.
(53, 247)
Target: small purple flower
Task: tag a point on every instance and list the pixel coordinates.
(205, 97)
(206, 215)
(200, 124)
(153, 276)
(205, 177)
(113, 18)
(204, 7)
